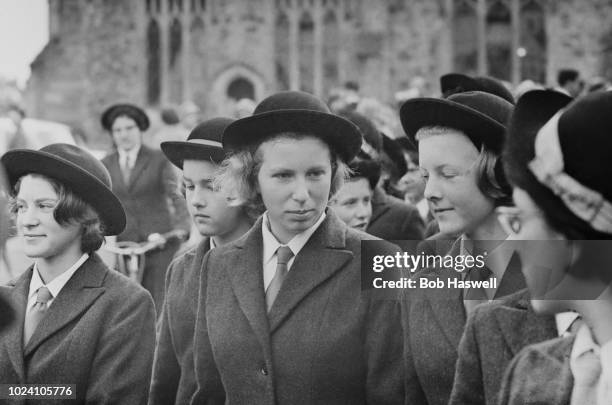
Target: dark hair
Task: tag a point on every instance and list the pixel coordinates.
(72, 209)
(169, 116)
(566, 75)
(365, 169)
(124, 113)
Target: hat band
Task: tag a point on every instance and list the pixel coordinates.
(548, 167)
(206, 142)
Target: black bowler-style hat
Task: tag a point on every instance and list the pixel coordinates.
(203, 143)
(77, 169)
(481, 116)
(368, 169)
(130, 110)
(294, 111)
(452, 83)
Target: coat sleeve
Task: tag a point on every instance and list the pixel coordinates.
(121, 369)
(412, 384)
(510, 378)
(166, 368)
(468, 385)
(385, 376)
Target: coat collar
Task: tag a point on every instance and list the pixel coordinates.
(520, 325)
(327, 245)
(447, 305)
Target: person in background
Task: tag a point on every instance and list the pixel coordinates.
(495, 333)
(562, 191)
(219, 223)
(78, 322)
(460, 141)
(392, 219)
(7, 313)
(282, 307)
(569, 82)
(145, 182)
(170, 129)
(353, 201)
(190, 114)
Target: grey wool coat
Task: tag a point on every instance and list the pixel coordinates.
(173, 380)
(494, 334)
(393, 219)
(98, 333)
(323, 342)
(433, 321)
(540, 374)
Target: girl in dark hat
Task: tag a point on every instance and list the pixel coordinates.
(353, 201)
(562, 191)
(459, 141)
(282, 308)
(495, 333)
(145, 183)
(79, 323)
(218, 223)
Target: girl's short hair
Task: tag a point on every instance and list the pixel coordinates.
(491, 179)
(71, 209)
(238, 173)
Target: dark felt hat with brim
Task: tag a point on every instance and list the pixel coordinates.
(365, 168)
(203, 143)
(78, 170)
(294, 111)
(453, 83)
(480, 116)
(129, 110)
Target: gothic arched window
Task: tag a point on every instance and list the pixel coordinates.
(153, 63)
(499, 37)
(306, 47)
(281, 42)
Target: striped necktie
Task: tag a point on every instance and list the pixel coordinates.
(283, 255)
(36, 314)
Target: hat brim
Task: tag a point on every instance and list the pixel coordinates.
(481, 129)
(137, 113)
(177, 152)
(21, 162)
(342, 135)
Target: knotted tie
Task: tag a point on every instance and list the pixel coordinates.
(126, 168)
(586, 370)
(475, 296)
(36, 313)
(283, 255)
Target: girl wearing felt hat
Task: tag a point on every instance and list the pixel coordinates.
(459, 141)
(76, 319)
(282, 309)
(145, 183)
(562, 191)
(219, 223)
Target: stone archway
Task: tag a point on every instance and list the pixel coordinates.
(222, 98)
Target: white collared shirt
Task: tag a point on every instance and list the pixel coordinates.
(54, 286)
(423, 207)
(124, 154)
(584, 343)
(271, 245)
(564, 321)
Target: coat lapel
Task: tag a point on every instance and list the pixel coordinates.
(447, 303)
(14, 340)
(144, 155)
(513, 279)
(245, 269)
(519, 316)
(323, 255)
(380, 205)
(83, 288)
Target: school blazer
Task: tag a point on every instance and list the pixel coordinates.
(433, 322)
(173, 380)
(150, 199)
(323, 342)
(540, 374)
(494, 334)
(99, 333)
(393, 219)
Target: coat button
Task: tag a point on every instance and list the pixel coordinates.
(264, 370)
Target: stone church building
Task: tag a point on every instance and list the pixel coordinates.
(214, 52)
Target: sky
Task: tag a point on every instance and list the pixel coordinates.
(24, 31)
